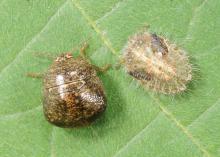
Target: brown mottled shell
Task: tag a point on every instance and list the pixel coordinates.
(156, 63)
(73, 93)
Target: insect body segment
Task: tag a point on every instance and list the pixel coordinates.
(156, 63)
(158, 45)
(73, 93)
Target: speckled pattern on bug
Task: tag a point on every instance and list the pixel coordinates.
(73, 93)
(157, 63)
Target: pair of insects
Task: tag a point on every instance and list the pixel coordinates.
(73, 94)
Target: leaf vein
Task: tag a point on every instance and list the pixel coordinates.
(114, 8)
(35, 37)
(203, 113)
(5, 117)
(135, 137)
(192, 21)
(173, 119)
(94, 26)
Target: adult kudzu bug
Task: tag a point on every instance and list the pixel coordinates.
(156, 63)
(73, 94)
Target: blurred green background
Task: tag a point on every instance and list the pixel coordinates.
(137, 122)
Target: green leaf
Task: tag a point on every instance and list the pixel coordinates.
(137, 122)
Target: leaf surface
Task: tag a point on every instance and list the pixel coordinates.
(137, 122)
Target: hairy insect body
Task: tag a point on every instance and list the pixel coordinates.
(156, 63)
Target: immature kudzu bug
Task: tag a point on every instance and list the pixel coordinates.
(73, 95)
(156, 63)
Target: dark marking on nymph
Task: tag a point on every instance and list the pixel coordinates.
(140, 75)
(158, 45)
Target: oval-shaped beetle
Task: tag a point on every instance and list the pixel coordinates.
(73, 94)
(156, 63)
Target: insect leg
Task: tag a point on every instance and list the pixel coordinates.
(47, 55)
(102, 69)
(83, 50)
(119, 63)
(35, 75)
